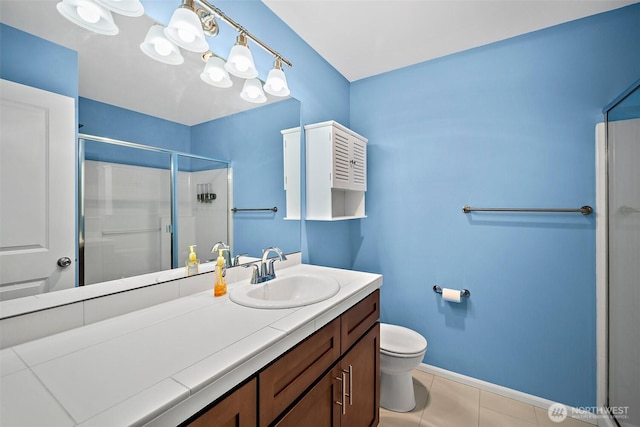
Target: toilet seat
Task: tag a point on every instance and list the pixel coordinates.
(399, 341)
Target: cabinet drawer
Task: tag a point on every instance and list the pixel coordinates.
(286, 379)
(239, 409)
(358, 320)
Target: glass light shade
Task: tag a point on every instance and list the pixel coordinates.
(185, 30)
(276, 83)
(240, 61)
(252, 92)
(215, 74)
(123, 7)
(158, 47)
(88, 15)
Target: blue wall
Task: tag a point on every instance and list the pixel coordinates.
(98, 118)
(253, 141)
(508, 124)
(47, 66)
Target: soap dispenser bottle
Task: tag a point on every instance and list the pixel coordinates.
(193, 264)
(220, 285)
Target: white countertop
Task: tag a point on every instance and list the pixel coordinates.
(161, 364)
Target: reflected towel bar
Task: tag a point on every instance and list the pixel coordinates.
(463, 293)
(584, 210)
(273, 209)
(626, 210)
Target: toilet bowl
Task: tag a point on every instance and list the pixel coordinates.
(401, 351)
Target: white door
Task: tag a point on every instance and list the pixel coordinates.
(37, 191)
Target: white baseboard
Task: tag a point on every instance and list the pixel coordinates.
(530, 399)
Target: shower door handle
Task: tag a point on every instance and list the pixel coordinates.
(64, 262)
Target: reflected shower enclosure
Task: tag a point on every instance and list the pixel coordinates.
(141, 207)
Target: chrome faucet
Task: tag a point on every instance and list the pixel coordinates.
(236, 259)
(266, 270)
(266, 267)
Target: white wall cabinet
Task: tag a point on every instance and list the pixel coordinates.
(291, 150)
(336, 164)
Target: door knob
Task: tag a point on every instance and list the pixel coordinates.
(64, 262)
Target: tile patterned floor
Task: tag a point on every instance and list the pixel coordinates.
(445, 403)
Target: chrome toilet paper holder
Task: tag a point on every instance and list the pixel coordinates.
(463, 293)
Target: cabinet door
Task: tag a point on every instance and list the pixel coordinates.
(318, 407)
(289, 376)
(358, 165)
(239, 409)
(362, 366)
(342, 163)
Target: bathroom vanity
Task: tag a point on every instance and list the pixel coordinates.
(197, 358)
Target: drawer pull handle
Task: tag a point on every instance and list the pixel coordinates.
(342, 380)
(350, 373)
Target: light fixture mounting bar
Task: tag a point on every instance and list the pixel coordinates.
(214, 10)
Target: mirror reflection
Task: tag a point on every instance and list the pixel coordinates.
(130, 105)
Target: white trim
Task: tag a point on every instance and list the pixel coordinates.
(530, 399)
(601, 269)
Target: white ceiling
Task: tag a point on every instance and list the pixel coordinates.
(360, 38)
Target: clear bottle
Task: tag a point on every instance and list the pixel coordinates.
(193, 263)
(220, 285)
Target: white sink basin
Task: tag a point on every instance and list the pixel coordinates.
(286, 292)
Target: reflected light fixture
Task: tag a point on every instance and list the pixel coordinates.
(123, 7)
(276, 83)
(189, 24)
(89, 15)
(214, 72)
(185, 29)
(252, 92)
(240, 62)
(158, 47)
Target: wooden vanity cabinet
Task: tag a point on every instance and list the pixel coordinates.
(349, 393)
(239, 409)
(332, 378)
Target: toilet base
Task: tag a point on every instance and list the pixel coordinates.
(396, 392)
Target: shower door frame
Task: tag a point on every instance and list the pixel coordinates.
(602, 258)
(174, 195)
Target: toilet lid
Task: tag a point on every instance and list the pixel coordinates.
(401, 340)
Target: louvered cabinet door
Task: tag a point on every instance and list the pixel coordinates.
(358, 163)
(342, 162)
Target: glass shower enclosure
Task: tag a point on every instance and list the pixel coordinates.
(623, 206)
(141, 207)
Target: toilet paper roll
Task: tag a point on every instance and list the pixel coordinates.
(452, 295)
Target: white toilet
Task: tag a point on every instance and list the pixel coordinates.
(401, 351)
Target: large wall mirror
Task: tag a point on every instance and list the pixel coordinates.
(126, 96)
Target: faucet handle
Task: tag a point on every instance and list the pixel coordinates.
(255, 274)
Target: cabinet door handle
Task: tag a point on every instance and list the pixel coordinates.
(342, 380)
(350, 373)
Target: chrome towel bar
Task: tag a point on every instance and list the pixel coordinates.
(273, 209)
(584, 210)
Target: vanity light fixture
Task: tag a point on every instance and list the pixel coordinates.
(185, 29)
(89, 15)
(214, 71)
(240, 62)
(252, 92)
(158, 47)
(276, 83)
